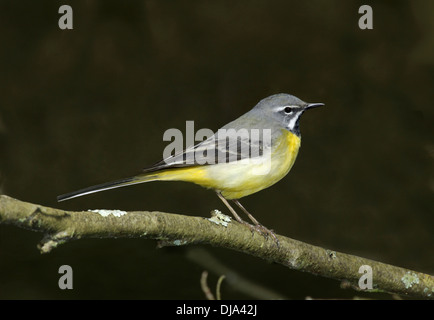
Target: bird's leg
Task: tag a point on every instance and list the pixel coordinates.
(234, 213)
(252, 218)
(259, 227)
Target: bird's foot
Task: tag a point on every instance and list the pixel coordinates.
(264, 231)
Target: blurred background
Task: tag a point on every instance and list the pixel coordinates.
(85, 106)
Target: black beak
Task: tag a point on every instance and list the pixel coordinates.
(314, 105)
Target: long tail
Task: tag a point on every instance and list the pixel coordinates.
(106, 186)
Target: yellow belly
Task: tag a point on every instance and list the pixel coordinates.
(244, 177)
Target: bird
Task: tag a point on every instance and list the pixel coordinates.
(245, 156)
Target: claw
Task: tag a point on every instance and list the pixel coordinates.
(267, 232)
(264, 231)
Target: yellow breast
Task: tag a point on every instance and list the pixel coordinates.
(284, 156)
(244, 177)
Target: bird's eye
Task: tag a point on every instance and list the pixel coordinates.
(288, 110)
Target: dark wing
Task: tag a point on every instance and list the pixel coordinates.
(219, 148)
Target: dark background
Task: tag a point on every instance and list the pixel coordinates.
(84, 106)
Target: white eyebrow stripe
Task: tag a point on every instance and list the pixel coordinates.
(283, 107)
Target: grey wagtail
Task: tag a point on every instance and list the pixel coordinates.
(233, 177)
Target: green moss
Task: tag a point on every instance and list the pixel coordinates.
(409, 279)
(331, 254)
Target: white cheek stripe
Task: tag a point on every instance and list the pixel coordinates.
(293, 121)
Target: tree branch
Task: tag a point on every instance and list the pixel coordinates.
(60, 226)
